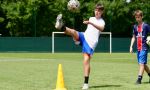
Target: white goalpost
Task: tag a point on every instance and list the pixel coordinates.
(53, 40)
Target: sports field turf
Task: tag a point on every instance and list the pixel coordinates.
(38, 71)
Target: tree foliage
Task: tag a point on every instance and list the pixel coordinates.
(34, 18)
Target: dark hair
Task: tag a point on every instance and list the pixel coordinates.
(99, 6)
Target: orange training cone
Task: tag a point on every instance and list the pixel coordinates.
(60, 80)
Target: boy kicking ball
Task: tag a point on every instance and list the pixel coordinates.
(88, 40)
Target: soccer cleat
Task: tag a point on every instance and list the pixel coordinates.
(85, 87)
(59, 22)
(138, 82)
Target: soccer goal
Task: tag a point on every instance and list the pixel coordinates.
(102, 33)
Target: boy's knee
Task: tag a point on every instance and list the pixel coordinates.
(86, 62)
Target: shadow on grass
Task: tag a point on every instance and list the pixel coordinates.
(145, 82)
(103, 86)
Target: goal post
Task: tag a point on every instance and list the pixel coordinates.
(108, 33)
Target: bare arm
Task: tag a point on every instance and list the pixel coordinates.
(99, 27)
(132, 43)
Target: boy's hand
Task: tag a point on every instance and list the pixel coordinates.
(86, 22)
(131, 50)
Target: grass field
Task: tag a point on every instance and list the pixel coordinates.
(38, 71)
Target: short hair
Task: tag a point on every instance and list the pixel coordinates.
(99, 6)
(138, 12)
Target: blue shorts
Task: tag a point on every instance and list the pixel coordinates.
(85, 47)
(142, 56)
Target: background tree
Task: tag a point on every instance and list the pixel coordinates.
(34, 18)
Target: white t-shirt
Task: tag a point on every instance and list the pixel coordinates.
(92, 34)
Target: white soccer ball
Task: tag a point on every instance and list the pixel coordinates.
(148, 40)
(73, 5)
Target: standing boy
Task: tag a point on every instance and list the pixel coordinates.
(140, 32)
(88, 40)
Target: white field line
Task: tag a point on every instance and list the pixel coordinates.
(12, 59)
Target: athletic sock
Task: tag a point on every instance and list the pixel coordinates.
(86, 79)
(139, 77)
(149, 74)
(63, 28)
(149, 77)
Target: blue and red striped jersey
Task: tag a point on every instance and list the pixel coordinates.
(141, 32)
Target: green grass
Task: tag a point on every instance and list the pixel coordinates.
(38, 71)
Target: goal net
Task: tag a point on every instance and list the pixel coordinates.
(64, 43)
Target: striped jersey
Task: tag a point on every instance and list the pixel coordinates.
(141, 32)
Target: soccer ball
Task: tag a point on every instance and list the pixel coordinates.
(148, 40)
(73, 5)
